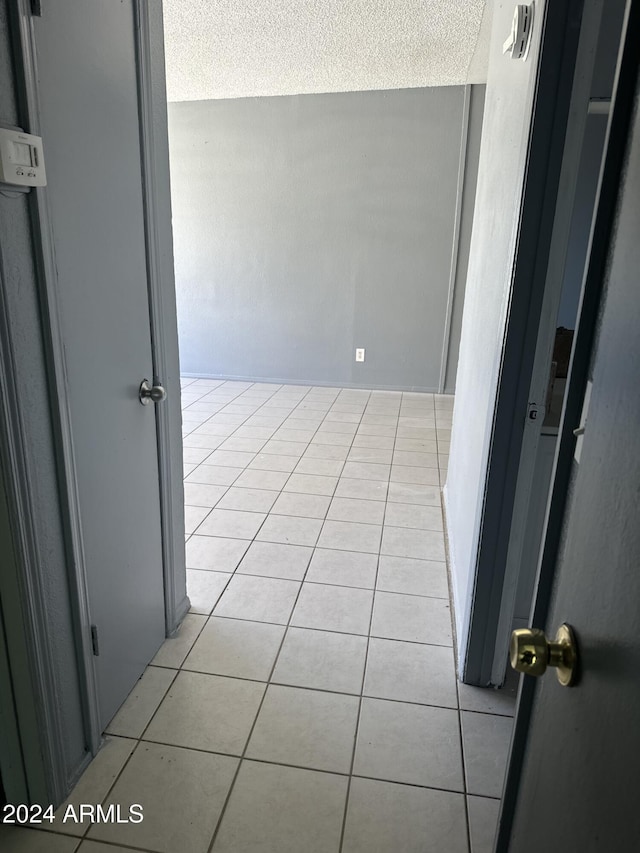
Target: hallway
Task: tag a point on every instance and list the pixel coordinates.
(309, 701)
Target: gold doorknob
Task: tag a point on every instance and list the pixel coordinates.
(531, 652)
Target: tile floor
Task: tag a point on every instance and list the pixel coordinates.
(309, 701)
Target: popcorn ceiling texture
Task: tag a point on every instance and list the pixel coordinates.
(247, 48)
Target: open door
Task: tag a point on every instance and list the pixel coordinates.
(572, 778)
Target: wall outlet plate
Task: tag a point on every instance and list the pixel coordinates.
(360, 354)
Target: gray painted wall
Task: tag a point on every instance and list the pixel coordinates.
(307, 226)
(499, 190)
(470, 178)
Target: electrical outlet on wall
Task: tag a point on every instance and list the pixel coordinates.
(360, 354)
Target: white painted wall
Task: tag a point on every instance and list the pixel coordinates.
(508, 104)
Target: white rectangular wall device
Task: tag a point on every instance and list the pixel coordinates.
(21, 159)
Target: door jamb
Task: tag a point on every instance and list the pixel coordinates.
(546, 320)
(160, 277)
(544, 159)
(622, 106)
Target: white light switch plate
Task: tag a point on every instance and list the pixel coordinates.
(360, 354)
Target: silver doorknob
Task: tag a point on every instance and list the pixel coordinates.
(151, 393)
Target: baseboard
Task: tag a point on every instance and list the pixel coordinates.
(321, 383)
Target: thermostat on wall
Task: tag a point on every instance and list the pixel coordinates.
(21, 159)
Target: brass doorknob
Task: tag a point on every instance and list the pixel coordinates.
(531, 652)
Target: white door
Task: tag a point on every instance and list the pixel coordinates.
(90, 125)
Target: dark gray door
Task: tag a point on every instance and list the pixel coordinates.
(90, 126)
(578, 787)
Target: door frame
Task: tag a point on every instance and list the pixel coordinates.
(554, 86)
(586, 54)
(47, 783)
(622, 106)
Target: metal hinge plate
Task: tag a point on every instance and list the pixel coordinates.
(36, 8)
(94, 640)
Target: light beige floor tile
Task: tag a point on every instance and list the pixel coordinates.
(343, 416)
(99, 847)
(305, 728)
(204, 441)
(230, 458)
(207, 712)
(414, 493)
(193, 517)
(254, 432)
(250, 500)
(290, 530)
(419, 476)
(331, 439)
(257, 598)
(236, 648)
(380, 442)
(214, 475)
(273, 462)
(370, 454)
(407, 542)
(489, 701)
(376, 429)
(344, 568)
(322, 660)
(411, 672)
(483, 823)
(370, 490)
(350, 536)
(411, 618)
(333, 608)
(486, 739)
(252, 479)
(326, 451)
(414, 744)
(175, 649)
(285, 448)
(366, 471)
(415, 459)
(275, 560)
(324, 467)
(231, 523)
(384, 817)
(204, 589)
(301, 436)
(277, 809)
(246, 445)
(337, 427)
(414, 515)
(182, 793)
(414, 577)
(141, 704)
(215, 553)
(416, 444)
(311, 484)
(93, 786)
(198, 494)
(306, 506)
(19, 839)
(353, 509)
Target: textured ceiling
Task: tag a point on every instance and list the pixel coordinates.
(245, 48)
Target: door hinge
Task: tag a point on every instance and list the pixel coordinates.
(36, 8)
(94, 640)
